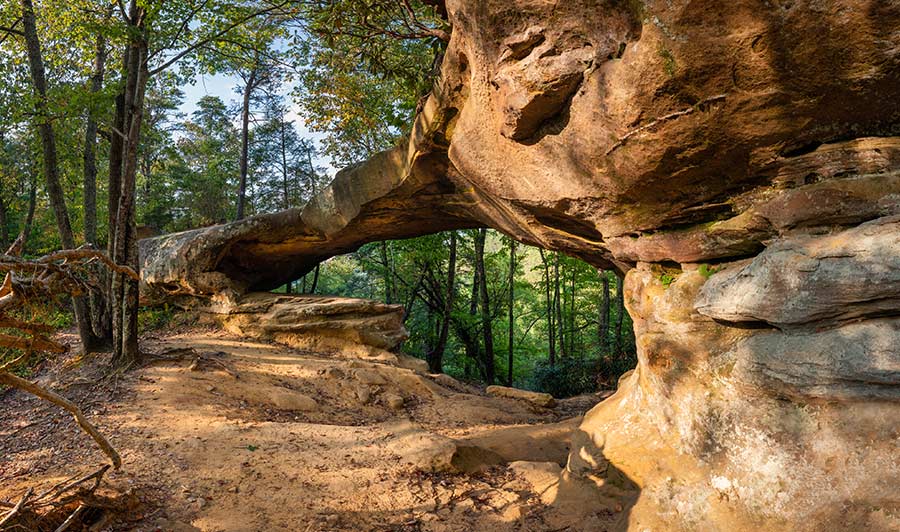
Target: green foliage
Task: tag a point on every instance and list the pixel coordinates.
(155, 318)
(567, 378)
(668, 58)
(362, 69)
(707, 271)
(667, 278)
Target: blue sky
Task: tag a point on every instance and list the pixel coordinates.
(224, 87)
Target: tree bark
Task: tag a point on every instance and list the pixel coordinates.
(245, 143)
(512, 300)
(487, 332)
(4, 229)
(603, 331)
(388, 274)
(620, 314)
(97, 303)
(470, 340)
(125, 289)
(315, 281)
(557, 302)
(51, 165)
(551, 332)
(572, 311)
(436, 356)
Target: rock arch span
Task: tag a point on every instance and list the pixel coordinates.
(750, 150)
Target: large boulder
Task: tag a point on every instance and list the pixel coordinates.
(750, 149)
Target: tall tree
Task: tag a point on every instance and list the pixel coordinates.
(511, 303)
(51, 163)
(435, 356)
(620, 313)
(99, 314)
(558, 305)
(550, 309)
(486, 325)
(603, 330)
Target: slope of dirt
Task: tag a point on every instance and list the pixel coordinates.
(253, 436)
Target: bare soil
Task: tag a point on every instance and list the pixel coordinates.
(256, 437)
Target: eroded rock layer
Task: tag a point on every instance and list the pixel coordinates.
(749, 150)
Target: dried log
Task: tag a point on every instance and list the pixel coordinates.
(36, 343)
(11, 380)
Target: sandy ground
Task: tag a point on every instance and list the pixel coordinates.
(259, 437)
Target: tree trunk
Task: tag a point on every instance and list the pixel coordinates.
(51, 166)
(97, 302)
(470, 341)
(620, 314)
(487, 332)
(603, 332)
(551, 332)
(557, 302)
(125, 290)
(388, 274)
(245, 143)
(512, 300)
(315, 281)
(284, 163)
(572, 312)
(4, 229)
(436, 355)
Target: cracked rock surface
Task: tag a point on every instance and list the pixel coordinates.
(750, 150)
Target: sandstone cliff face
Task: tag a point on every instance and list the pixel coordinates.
(750, 149)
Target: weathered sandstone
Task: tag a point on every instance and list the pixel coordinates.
(749, 148)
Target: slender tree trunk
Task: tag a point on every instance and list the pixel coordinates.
(245, 143)
(315, 281)
(125, 290)
(551, 332)
(512, 300)
(388, 274)
(620, 313)
(436, 355)
(572, 311)
(312, 170)
(473, 350)
(486, 325)
(284, 164)
(97, 302)
(4, 229)
(557, 302)
(51, 166)
(603, 332)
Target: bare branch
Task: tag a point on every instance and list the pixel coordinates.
(11, 380)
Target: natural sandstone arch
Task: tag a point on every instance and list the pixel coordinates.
(751, 149)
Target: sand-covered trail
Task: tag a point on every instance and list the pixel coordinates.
(258, 437)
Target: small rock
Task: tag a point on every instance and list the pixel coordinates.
(334, 373)
(201, 503)
(393, 401)
(544, 400)
(367, 376)
(363, 394)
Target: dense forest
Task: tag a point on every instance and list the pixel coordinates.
(317, 86)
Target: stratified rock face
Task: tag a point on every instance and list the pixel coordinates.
(751, 149)
(328, 325)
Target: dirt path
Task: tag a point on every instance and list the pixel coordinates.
(257, 437)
